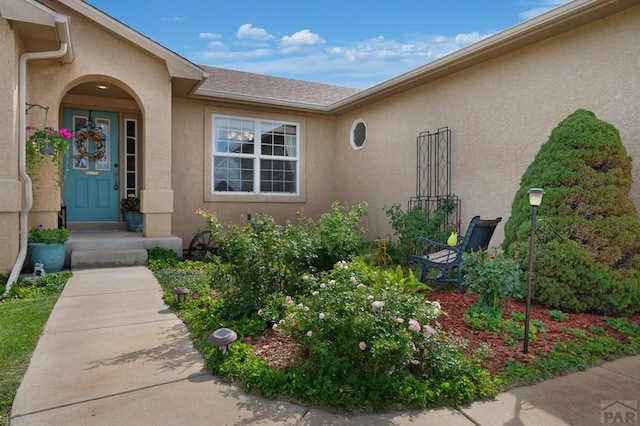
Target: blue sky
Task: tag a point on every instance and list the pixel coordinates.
(352, 43)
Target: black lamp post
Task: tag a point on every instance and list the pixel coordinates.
(535, 199)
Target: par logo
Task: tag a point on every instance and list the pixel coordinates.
(619, 412)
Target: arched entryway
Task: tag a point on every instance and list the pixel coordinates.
(103, 164)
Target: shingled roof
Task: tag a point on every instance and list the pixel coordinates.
(236, 84)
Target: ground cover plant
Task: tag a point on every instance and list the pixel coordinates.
(357, 336)
(23, 314)
(586, 173)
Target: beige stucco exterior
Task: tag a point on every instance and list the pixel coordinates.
(499, 112)
(499, 109)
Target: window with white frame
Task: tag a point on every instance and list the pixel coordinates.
(255, 156)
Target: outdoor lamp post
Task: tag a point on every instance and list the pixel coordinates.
(222, 338)
(535, 199)
(181, 293)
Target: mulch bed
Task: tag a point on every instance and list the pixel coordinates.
(278, 351)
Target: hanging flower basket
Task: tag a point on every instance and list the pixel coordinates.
(45, 143)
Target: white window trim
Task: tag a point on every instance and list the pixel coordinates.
(253, 197)
(352, 131)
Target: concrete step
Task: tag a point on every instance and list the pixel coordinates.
(86, 259)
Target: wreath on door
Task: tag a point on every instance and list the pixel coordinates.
(86, 134)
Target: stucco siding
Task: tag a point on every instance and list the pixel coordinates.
(102, 56)
(499, 112)
(10, 187)
(192, 171)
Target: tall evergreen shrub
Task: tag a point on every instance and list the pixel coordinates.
(586, 173)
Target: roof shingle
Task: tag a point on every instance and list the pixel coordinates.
(273, 88)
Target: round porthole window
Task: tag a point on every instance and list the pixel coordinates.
(358, 134)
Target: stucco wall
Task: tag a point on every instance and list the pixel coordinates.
(10, 187)
(101, 56)
(191, 139)
(500, 113)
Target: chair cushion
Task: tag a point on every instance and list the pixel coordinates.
(443, 256)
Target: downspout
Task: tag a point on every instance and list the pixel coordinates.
(22, 166)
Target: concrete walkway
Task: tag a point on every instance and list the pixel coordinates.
(113, 354)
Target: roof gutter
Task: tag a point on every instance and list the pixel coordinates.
(22, 165)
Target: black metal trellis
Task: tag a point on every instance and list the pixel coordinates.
(433, 179)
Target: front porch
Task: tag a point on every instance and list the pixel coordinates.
(101, 248)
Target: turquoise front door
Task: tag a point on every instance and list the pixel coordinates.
(91, 180)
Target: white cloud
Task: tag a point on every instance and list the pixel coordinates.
(354, 64)
(467, 39)
(175, 18)
(302, 38)
(211, 36)
(251, 32)
(542, 7)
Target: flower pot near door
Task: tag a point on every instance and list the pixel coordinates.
(51, 256)
(134, 221)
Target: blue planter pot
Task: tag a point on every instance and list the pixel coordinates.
(50, 255)
(134, 221)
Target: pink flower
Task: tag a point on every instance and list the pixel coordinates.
(288, 300)
(65, 133)
(428, 331)
(400, 320)
(377, 304)
(414, 325)
(362, 346)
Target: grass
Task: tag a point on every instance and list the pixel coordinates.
(21, 323)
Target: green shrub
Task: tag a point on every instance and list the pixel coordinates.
(586, 173)
(337, 235)
(33, 287)
(557, 316)
(584, 285)
(419, 221)
(493, 277)
(265, 258)
(364, 344)
(162, 258)
(364, 336)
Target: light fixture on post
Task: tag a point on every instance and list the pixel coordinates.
(181, 293)
(535, 199)
(222, 338)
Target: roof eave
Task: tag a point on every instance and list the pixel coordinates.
(212, 95)
(177, 66)
(32, 14)
(554, 22)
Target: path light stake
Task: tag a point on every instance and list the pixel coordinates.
(535, 199)
(181, 293)
(222, 338)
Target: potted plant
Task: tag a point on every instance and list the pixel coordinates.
(46, 143)
(47, 247)
(130, 209)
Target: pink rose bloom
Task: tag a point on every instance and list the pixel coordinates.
(400, 320)
(414, 325)
(428, 331)
(288, 300)
(377, 304)
(362, 346)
